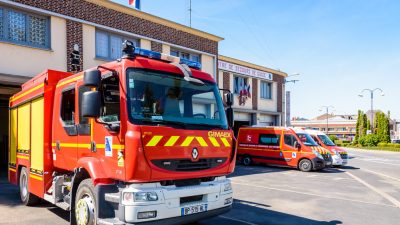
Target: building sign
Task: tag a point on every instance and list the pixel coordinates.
(244, 70)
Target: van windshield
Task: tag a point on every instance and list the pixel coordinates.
(159, 98)
(326, 140)
(306, 139)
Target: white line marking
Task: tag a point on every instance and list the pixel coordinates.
(382, 175)
(310, 194)
(237, 220)
(381, 193)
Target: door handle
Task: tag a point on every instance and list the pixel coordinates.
(58, 145)
(93, 146)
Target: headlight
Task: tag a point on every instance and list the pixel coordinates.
(336, 152)
(140, 196)
(316, 153)
(227, 187)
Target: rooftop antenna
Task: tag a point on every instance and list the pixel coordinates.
(190, 13)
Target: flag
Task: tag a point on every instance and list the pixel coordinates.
(136, 3)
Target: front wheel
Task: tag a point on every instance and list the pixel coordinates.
(305, 165)
(26, 197)
(85, 204)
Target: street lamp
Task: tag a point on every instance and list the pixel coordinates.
(371, 91)
(292, 75)
(326, 107)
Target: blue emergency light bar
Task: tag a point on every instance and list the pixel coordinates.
(160, 56)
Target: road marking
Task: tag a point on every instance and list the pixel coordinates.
(382, 175)
(381, 193)
(237, 220)
(310, 194)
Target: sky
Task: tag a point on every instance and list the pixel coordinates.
(339, 47)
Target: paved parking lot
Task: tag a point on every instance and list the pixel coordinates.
(367, 191)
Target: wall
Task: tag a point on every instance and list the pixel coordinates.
(27, 61)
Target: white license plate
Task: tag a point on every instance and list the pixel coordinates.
(193, 209)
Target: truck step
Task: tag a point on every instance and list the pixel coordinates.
(112, 197)
(109, 222)
(63, 205)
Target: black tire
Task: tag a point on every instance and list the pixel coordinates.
(85, 197)
(305, 165)
(27, 198)
(246, 160)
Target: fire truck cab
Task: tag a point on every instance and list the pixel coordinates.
(281, 146)
(339, 155)
(141, 140)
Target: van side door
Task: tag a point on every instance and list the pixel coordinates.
(270, 144)
(290, 153)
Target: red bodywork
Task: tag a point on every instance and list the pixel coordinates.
(132, 155)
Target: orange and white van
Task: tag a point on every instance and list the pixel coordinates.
(281, 146)
(339, 155)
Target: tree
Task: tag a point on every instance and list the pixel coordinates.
(382, 127)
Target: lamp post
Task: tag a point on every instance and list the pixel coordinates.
(371, 91)
(326, 107)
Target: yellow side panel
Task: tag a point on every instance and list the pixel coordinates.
(13, 135)
(37, 134)
(24, 123)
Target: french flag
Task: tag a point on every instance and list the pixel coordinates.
(136, 3)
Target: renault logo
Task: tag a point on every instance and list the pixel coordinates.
(195, 154)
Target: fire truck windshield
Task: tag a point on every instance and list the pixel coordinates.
(162, 98)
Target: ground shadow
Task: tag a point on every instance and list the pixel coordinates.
(349, 168)
(251, 213)
(241, 170)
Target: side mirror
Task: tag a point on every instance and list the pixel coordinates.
(91, 104)
(229, 116)
(229, 99)
(92, 78)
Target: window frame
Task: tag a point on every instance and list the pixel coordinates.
(181, 52)
(246, 82)
(270, 144)
(136, 42)
(270, 90)
(71, 130)
(6, 24)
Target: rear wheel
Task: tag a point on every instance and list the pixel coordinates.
(246, 160)
(85, 204)
(305, 165)
(26, 197)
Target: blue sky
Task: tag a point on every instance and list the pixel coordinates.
(339, 47)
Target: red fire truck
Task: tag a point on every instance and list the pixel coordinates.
(141, 140)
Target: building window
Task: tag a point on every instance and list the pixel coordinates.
(265, 90)
(185, 55)
(109, 46)
(240, 84)
(24, 28)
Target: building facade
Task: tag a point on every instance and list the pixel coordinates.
(75, 35)
(259, 92)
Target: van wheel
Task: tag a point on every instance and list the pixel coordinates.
(26, 197)
(85, 204)
(305, 165)
(246, 160)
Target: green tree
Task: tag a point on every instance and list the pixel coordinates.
(382, 127)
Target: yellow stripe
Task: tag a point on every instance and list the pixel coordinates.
(201, 141)
(226, 143)
(12, 169)
(70, 80)
(187, 141)
(76, 145)
(171, 141)
(154, 140)
(27, 92)
(214, 141)
(36, 177)
(23, 157)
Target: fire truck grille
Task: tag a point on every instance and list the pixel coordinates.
(344, 156)
(188, 165)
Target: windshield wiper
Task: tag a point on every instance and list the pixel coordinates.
(167, 122)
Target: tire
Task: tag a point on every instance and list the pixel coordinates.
(27, 198)
(305, 165)
(246, 160)
(85, 204)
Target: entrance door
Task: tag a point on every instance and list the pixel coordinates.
(238, 124)
(3, 135)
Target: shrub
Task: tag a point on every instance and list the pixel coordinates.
(383, 144)
(369, 140)
(333, 137)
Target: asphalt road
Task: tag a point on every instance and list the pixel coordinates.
(366, 192)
